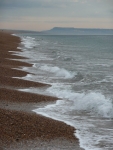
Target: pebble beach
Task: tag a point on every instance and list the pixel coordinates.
(20, 127)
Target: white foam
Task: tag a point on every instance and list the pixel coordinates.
(92, 102)
(14, 34)
(11, 51)
(28, 42)
(19, 48)
(34, 65)
(87, 128)
(59, 72)
(27, 77)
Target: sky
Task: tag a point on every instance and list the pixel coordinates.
(41, 15)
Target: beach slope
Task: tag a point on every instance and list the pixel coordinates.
(20, 128)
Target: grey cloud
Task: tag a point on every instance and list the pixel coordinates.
(56, 8)
(20, 3)
(23, 3)
(34, 3)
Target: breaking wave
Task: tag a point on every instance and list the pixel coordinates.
(59, 72)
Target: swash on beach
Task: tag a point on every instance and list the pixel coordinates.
(79, 69)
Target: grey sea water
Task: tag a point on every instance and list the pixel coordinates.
(79, 69)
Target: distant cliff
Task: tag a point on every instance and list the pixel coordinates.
(77, 31)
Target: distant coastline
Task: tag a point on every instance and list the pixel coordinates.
(67, 31)
(79, 31)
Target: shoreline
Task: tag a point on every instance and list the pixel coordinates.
(22, 125)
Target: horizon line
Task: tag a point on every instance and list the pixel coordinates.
(55, 27)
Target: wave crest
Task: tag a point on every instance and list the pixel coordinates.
(59, 72)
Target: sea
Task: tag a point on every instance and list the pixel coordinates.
(79, 69)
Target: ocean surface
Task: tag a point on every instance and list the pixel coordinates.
(79, 69)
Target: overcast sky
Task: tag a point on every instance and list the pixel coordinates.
(46, 14)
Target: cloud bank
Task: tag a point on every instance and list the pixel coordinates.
(45, 13)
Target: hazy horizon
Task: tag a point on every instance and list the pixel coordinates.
(54, 28)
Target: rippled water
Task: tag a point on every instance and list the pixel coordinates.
(80, 70)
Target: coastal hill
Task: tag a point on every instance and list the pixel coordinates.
(77, 31)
